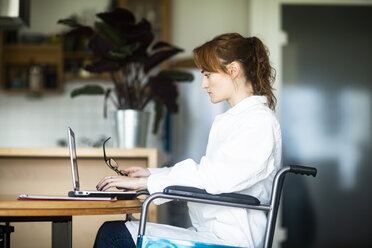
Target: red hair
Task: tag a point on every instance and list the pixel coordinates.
(251, 53)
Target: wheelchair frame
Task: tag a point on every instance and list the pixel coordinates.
(232, 200)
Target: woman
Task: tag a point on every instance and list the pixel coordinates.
(243, 152)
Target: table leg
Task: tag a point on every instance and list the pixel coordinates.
(7, 235)
(62, 233)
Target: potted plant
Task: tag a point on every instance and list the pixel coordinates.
(125, 50)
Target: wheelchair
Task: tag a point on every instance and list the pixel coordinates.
(191, 194)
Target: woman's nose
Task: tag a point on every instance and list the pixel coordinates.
(204, 83)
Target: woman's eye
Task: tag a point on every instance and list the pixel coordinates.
(207, 75)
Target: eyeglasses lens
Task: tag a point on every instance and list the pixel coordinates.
(113, 163)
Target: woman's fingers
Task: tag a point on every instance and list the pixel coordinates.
(107, 182)
(110, 183)
(122, 182)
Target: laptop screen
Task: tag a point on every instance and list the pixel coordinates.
(73, 159)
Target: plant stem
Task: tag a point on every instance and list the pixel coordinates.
(114, 102)
(138, 83)
(121, 89)
(145, 102)
(117, 90)
(129, 86)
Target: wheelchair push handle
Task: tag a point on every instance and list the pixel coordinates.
(303, 170)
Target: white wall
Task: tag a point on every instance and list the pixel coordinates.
(46, 13)
(195, 22)
(28, 121)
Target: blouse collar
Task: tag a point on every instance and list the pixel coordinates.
(247, 103)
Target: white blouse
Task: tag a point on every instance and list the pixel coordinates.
(243, 155)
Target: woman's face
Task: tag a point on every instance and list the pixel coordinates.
(218, 85)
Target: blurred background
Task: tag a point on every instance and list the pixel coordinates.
(322, 54)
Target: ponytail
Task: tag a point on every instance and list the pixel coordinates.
(265, 74)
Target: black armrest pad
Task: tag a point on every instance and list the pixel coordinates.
(142, 192)
(202, 194)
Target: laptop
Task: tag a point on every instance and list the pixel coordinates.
(120, 195)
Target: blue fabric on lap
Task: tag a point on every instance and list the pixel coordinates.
(152, 242)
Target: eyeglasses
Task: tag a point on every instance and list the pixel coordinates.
(110, 162)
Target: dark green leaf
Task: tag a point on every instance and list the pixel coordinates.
(130, 47)
(88, 90)
(81, 31)
(124, 51)
(110, 33)
(141, 33)
(71, 22)
(117, 16)
(102, 65)
(100, 46)
(165, 91)
(156, 58)
(161, 44)
(179, 76)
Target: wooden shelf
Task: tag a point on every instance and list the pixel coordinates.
(37, 54)
(70, 77)
(77, 55)
(20, 57)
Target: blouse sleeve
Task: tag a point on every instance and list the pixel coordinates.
(242, 158)
(158, 170)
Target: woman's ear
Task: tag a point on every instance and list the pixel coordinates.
(234, 69)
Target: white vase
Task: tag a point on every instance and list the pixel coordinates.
(129, 128)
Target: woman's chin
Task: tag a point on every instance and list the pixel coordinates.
(213, 100)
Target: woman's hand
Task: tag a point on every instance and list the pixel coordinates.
(136, 172)
(122, 182)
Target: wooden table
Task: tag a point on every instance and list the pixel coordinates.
(60, 213)
(47, 171)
